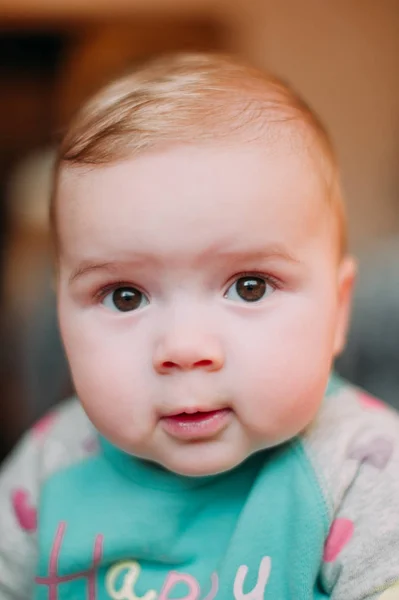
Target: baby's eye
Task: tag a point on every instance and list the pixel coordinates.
(125, 299)
(249, 288)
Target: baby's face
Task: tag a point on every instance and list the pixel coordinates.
(200, 300)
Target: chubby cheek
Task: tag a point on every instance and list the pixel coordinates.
(110, 382)
(287, 365)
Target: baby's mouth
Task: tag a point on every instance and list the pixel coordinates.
(196, 425)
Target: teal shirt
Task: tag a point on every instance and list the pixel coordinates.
(315, 518)
(255, 532)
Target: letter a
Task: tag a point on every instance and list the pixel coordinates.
(257, 593)
(131, 570)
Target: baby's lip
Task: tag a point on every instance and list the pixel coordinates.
(196, 425)
(192, 410)
(186, 406)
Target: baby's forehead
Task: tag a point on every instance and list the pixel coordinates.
(196, 188)
(289, 144)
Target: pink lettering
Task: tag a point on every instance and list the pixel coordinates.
(173, 579)
(54, 580)
(214, 587)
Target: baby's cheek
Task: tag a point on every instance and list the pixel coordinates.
(107, 383)
(282, 395)
(96, 372)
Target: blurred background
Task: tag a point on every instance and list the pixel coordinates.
(342, 56)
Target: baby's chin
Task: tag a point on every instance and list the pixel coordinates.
(203, 460)
(213, 458)
(200, 458)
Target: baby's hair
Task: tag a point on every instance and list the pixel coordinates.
(192, 98)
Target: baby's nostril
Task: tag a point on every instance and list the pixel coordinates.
(203, 363)
(168, 364)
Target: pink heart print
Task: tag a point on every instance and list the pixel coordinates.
(43, 426)
(341, 532)
(25, 512)
(369, 402)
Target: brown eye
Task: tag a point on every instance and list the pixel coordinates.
(125, 299)
(249, 289)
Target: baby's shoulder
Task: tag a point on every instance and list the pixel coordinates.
(59, 440)
(354, 439)
(63, 437)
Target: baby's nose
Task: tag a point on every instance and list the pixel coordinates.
(176, 353)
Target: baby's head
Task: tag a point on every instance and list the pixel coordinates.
(203, 281)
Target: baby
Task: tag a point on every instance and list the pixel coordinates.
(204, 290)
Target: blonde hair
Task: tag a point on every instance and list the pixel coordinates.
(191, 98)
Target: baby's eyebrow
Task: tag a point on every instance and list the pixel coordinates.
(262, 254)
(256, 253)
(86, 268)
(236, 254)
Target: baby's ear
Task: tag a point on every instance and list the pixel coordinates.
(346, 279)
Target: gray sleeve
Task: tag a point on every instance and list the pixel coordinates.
(356, 448)
(18, 520)
(63, 437)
